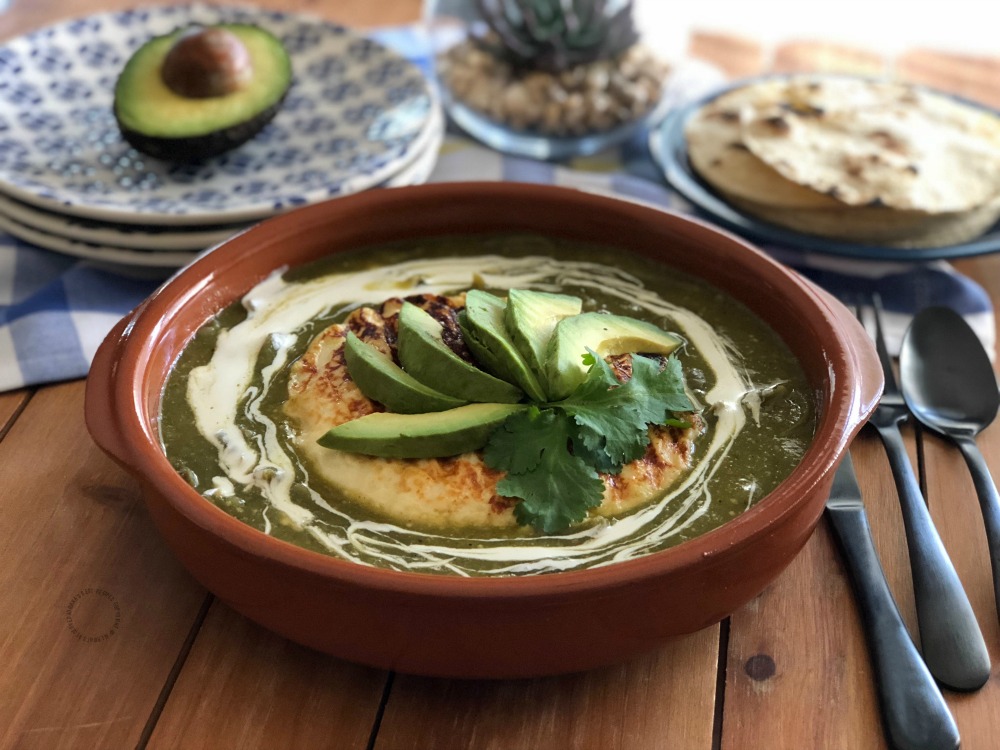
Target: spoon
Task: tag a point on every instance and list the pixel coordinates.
(948, 383)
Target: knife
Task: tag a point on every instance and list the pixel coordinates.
(914, 712)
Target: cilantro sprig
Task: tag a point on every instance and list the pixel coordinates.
(552, 453)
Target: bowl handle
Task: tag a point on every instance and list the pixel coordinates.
(864, 359)
(101, 408)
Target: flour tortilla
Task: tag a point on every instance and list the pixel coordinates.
(866, 143)
(787, 151)
(717, 153)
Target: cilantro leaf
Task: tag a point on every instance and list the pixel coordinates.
(552, 455)
(661, 391)
(517, 445)
(559, 488)
(611, 417)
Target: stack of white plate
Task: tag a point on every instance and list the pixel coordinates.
(358, 116)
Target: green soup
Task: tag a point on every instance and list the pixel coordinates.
(223, 427)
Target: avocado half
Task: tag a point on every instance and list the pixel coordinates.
(160, 122)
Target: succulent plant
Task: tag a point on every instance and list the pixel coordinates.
(554, 35)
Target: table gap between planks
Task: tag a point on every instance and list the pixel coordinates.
(108, 643)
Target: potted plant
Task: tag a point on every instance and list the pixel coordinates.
(545, 78)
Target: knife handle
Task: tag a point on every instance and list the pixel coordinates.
(914, 712)
(950, 638)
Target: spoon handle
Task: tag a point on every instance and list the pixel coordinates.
(989, 501)
(950, 638)
(914, 712)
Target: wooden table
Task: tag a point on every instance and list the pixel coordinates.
(106, 642)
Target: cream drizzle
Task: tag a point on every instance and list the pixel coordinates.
(277, 309)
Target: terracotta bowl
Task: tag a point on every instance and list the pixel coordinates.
(485, 627)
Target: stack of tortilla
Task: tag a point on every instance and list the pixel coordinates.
(853, 159)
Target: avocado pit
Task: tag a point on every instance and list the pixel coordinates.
(207, 62)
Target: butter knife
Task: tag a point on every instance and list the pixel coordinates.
(914, 712)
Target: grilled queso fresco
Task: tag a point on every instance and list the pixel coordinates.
(851, 158)
(449, 491)
(523, 410)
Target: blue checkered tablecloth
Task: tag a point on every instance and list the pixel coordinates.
(55, 310)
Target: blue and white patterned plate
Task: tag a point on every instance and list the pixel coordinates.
(357, 112)
(122, 252)
(132, 236)
(91, 251)
(174, 238)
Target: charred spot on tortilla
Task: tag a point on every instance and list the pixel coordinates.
(778, 124)
(726, 115)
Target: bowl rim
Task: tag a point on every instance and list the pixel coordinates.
(139, 332)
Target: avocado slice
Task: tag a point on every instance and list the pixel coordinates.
(252, 73)
(531, 318)
(482, 324)
(382, 380)
(432, 435)
(424, 355)
(604, 334)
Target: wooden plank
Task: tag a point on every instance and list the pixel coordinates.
(955, 508)
(11, 404)
(827, 57)
(971, 76)
(736, 56)
(799, 673)
(242, 686)
(663, 700)
(94, 607)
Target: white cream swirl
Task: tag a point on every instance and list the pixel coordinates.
(228, 386)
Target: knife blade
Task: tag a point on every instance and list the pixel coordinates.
(914, 712)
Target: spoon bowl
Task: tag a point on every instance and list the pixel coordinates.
(947, 379)
(949, 385)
